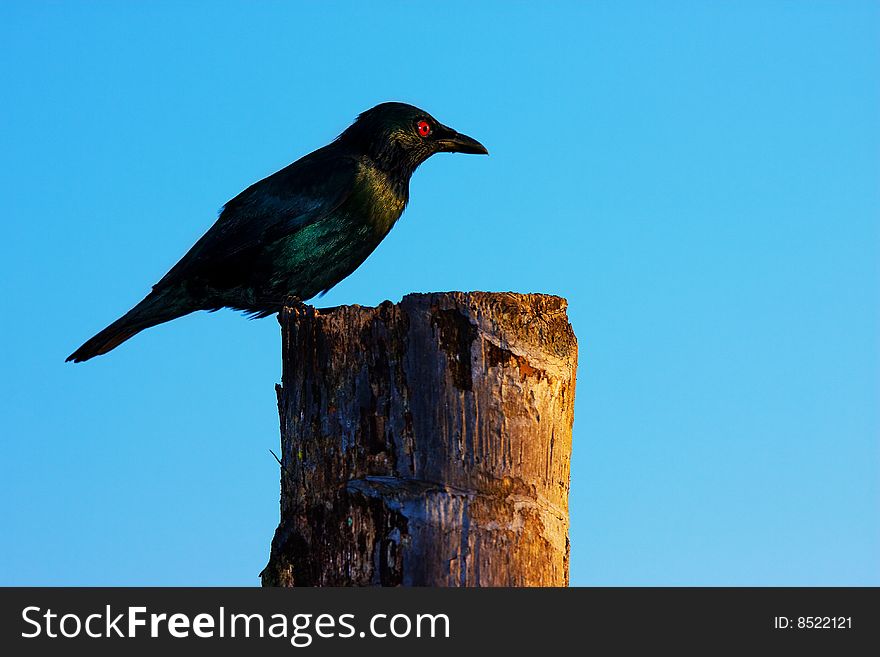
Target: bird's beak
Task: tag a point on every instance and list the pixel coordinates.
(455, 142)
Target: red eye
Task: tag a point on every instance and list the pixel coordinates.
(424, 128)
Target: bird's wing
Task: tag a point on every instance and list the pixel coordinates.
(306, 191)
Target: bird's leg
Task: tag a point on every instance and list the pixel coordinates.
(291, 301)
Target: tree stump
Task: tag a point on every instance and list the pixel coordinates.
(426, 443)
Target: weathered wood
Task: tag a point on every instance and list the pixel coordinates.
(426, 443)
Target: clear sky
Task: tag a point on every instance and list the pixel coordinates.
(700, 180)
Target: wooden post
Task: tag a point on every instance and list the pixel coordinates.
(426, 443)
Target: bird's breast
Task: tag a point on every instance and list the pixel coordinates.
(318, 255)
(381, 199)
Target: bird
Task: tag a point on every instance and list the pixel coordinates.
(300, 231)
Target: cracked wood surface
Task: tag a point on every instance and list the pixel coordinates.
(426, 443)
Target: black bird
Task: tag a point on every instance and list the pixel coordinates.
(300, 231)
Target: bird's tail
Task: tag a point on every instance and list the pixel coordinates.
(156, 308)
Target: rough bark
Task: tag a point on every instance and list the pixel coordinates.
(426, 443)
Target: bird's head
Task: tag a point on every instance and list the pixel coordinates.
(399, 137)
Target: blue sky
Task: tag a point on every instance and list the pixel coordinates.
(700, 180)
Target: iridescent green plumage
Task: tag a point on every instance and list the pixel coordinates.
(301, 230)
